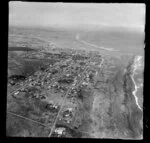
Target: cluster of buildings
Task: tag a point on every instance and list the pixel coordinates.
(58, 85)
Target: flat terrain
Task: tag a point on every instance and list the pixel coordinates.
(74, 84)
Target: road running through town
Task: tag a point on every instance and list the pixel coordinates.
(70, 88)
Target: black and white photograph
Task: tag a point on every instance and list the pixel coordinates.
(75, 70)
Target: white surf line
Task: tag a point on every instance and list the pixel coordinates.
(136, 66)
(134, 92)
(84, 42)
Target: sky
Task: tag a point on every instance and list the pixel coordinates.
(77, 15)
